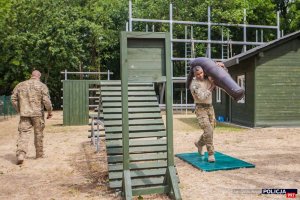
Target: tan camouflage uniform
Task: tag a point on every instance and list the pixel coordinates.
(204, 112)
(29, 98)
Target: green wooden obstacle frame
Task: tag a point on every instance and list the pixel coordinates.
(145, 57)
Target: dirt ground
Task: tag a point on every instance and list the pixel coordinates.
(72, 169)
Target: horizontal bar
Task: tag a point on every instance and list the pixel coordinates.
(217, 42)
(203, 23)
(86, 73)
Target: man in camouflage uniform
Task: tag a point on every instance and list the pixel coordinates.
(201, 89)
(29, 98)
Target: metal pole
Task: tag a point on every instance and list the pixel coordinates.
(126, 26)
(108, 74)
(171, 43)
(66, 75)
(245, 32)
(208, 33)
(130, 15)
(153, 28)
(146, 27)
(222, 38)
(256, 35)
(261, 35)
(278, 24)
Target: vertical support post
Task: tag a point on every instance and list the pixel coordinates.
(66, 74)
(245, 32)
(146, 27)
(262, 35)
(127, 26)
(127, 190)
(256, 35)
(222, 47)
(171, 44)
(278, 24)
(170, 178)
(130, 15)
(108, 74)
(153, 30)
(208, 33)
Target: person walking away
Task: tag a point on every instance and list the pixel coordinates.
(29, 99)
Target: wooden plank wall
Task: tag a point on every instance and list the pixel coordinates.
(278, 86)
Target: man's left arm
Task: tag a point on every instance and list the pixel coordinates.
(47, 102)
(15, 99)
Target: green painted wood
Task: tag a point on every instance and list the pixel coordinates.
(130, 104)
(132, 110)
(137, 150)
(118, 143)
(130, 93)
(132, 88)
(75, 102)
(139, 182)
(132, 116)
(135, 122)
(150, 190)
(135, 135)
(131, 99)
(136, 128)
(127, 185)
(144, 157)
(139, 173)
(278, 85)
(171, 173)
(139, 165)
(244, 113)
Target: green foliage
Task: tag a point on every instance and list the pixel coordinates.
(55, 35)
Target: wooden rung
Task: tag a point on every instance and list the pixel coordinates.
(130, 104)
(139, 142)
(137, 150)
(138, 157)
(132, 88)
(138, 165)
(139, 173)
(130, 99)
(150, 190)
(138, 182)
(135, 122)
(112, 136)
(132, 116)
(132, 110)
(130, 93)
(136, 128)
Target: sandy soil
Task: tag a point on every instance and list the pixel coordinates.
(72, 169)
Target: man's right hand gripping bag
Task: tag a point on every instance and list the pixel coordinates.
(221, 78)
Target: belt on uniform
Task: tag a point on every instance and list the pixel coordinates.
(203, 105)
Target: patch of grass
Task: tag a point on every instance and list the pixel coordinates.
(191, 124)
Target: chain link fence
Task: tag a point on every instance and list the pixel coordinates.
(6, 108)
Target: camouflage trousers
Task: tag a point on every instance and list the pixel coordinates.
(207, 122)
(25, 130)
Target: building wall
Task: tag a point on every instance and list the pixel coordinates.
(278, 86)
(239, 113)
(243, 113)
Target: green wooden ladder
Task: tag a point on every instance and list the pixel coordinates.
(148, 171)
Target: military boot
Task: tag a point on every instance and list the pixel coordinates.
(20, 158)
(211, 158)
(200, 148)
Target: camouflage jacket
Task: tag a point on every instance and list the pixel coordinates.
(200, 92)
(30, 97)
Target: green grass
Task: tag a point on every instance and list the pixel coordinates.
(191, 123)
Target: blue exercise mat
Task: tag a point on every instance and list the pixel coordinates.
(223, 162)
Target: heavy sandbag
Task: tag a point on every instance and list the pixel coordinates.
(221, 78)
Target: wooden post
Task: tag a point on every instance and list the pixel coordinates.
(126, 183)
